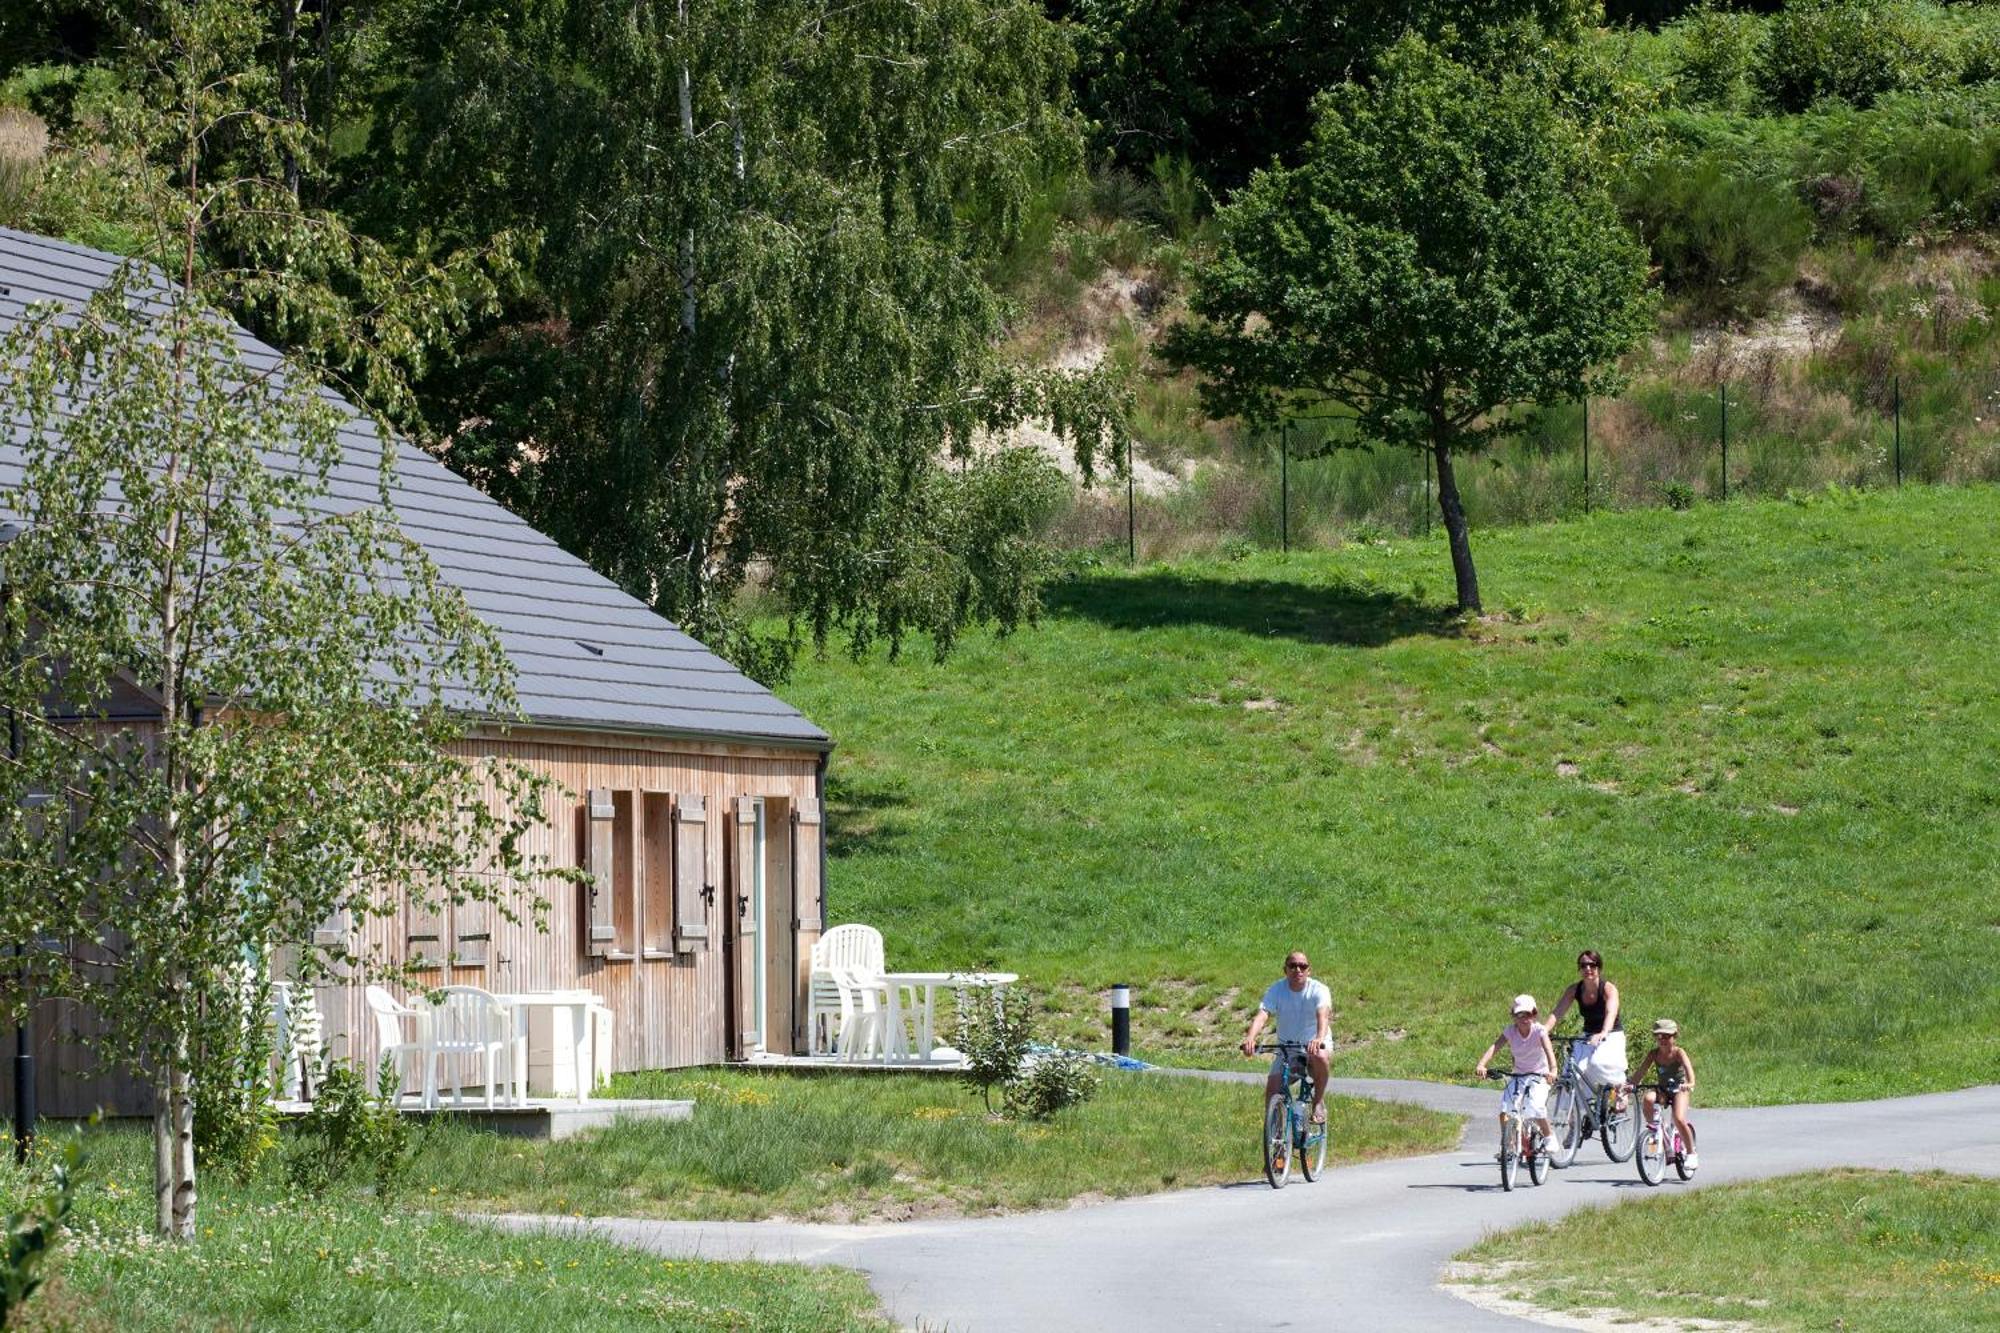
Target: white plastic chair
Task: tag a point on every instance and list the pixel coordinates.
(471, 1024)
(391, 1045)
(840, 1014)
(864, 1011)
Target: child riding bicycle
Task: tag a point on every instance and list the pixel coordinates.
(1675, 1068)
(1527, 1091)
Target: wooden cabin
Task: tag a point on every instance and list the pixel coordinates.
(693, 794)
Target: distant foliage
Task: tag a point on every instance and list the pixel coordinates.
(1855, 50)
(1721, 236)
(1719, 54)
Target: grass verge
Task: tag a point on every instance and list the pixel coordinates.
(1841, 1249)
(1745, 750)
(268, 1258)
(843, 1147)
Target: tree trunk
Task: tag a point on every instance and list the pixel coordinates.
(163, 1159)
(288, 86)
(1455, 528)
(183, 1125)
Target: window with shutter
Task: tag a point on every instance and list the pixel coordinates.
(690, 874)
(656, 907)
(600, 826)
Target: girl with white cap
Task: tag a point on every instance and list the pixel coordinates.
(1527, 1092)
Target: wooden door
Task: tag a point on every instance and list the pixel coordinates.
(746, 940)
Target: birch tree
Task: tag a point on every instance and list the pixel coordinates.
(236, 684)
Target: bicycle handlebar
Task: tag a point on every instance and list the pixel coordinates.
(1495, 1075)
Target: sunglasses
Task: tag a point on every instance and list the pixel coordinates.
(1298, 967)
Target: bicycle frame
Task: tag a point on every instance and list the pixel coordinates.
(1304, 1141)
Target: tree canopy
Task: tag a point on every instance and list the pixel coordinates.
(1444, 252)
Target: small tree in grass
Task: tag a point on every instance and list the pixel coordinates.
(237, 685)
(1443, 253)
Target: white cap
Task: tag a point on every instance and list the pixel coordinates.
(1666, 1027)
(1525, 1004)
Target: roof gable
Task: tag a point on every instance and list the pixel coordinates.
(586, 654)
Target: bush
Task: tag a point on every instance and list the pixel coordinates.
(1719, 52)
(1854, 50)
(351, 1132)
(1680, 495)
(32, 1232)
(994, 1027)
(1051, 1082)
(1721, 236)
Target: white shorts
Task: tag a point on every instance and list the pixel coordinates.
(1602, 1065)
(1281, 1061)
(1527, 1094)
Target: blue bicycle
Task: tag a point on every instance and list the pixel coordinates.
(1290, 1137)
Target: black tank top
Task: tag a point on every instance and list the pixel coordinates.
(1593, 1014)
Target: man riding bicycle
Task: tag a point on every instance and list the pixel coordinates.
(1303, 1009)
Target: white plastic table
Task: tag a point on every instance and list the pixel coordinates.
(930, 983)
(562, 1055)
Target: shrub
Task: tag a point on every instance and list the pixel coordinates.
(1724, 237)
(993, 1030)
(351, 1132)
(1180, 194)
(1680, 495)
(1855, 50)
(1050, 1083)
(1719, 52)
(32, 1232)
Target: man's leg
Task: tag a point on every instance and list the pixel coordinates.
(1321, 1067)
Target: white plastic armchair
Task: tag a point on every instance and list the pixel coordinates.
(470, 1024)
(404, 1048)
(852, 946)
(864, 1013)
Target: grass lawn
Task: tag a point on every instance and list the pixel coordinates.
(1748, 751)
(270, 1259)
(1842, 1249)
(838, 1147)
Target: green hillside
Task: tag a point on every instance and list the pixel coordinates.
(1745, 750)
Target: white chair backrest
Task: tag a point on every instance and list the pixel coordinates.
(854, 946)
(468, 1015)
(388, 1016)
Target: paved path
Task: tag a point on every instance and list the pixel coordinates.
(1358, 1251)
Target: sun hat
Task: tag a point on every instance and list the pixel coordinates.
(1525, 1004)
(1666, 1027)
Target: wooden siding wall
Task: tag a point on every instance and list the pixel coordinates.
(669, 1009)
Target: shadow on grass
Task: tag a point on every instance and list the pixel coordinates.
(861, 816)
(1339, 613)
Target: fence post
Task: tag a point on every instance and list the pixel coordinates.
(1897, 409)
(1723, 390)
(1285, 487)
(1131, 519)
(1586, 453)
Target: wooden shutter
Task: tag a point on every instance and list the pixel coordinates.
(601, 922)
(425, 935)
(743, 927)
(690, 874)
(656, 879)
(472, 934)
(808, 894)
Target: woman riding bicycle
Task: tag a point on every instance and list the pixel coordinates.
(1599, 1054)
(1676, 1070)
(1527, 1092)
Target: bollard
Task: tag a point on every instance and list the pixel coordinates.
(1121, 1020)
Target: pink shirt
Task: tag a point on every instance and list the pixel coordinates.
(1529, 1057)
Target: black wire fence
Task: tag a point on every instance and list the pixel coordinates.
(1764, 430)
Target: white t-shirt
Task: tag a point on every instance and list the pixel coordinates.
(1297, 1011)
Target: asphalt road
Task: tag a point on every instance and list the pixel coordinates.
(1360, 1250)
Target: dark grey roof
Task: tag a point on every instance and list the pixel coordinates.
(546, 605)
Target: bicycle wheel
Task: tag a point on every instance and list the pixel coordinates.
(1567, 1119)
(1651, 1149)
(1620, 1133)
(1681, 1166)
(1277, 1141)
(1510, 1153)
(1538, 1155)
(1312, 1153)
